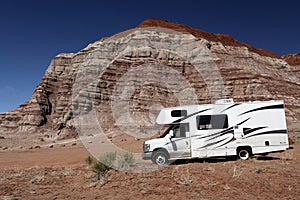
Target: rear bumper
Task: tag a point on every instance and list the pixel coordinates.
(147, 155)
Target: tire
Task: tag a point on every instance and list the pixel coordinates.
(244, 153)
(160, 158)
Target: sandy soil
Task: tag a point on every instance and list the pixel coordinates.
(62, 173)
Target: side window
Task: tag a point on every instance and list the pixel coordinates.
(176, 131)
(205, 122)
(180, 130)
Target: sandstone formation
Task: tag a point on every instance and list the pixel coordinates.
(125, 79)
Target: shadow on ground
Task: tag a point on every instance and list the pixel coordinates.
(219, 160)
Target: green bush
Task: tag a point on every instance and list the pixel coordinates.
(125, 160)
(100, 169)
(89, 160)
(108, 159)
(104, 164)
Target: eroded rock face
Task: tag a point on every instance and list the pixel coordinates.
(127, 78)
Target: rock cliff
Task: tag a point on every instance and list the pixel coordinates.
(125, 79)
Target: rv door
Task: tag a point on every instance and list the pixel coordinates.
(179, 145)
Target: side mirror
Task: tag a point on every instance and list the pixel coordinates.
(171, 134)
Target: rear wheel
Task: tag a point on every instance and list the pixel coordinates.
(244, 153)
(160, 157)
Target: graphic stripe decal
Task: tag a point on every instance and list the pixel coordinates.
(233, 139)
(228, 130)
(283, 131)
(231, 106)
(243, 121)
(221, 134)
(279, 106)
(190, 115)
(248, 131)
(213, 143)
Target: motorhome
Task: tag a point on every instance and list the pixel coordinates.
(222, 129)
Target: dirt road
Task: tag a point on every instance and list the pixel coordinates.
(44, 157)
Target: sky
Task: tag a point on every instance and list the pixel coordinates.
(32, 32)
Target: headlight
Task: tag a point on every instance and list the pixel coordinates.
(146, 147)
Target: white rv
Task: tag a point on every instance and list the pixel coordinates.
(221, 129)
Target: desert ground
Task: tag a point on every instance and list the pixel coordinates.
(61, 172)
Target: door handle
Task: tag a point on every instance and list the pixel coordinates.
(187, 143)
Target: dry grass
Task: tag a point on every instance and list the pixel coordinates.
(209, 169)
(237, 172)
(210, 182)
(8, 174)
(226, 187)
(266, 183)
(38, 175)
(38, 178)
(68, 171)
(10, 197)
(288, 155)
(259, 170)
(182, 176)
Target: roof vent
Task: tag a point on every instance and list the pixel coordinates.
(224, 101)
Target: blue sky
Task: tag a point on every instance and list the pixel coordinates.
(33, 32)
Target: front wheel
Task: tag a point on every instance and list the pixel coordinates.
(160, 158)
(244, 153)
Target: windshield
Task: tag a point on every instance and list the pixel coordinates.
(167, 131)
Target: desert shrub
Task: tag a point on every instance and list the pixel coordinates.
(107, 162)
(39, 177)
(68, 171)
(182, 177)
(125, 160)
(108, 159)
(100, 169)
(104, 164)
(186, 179)
(89, 160)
